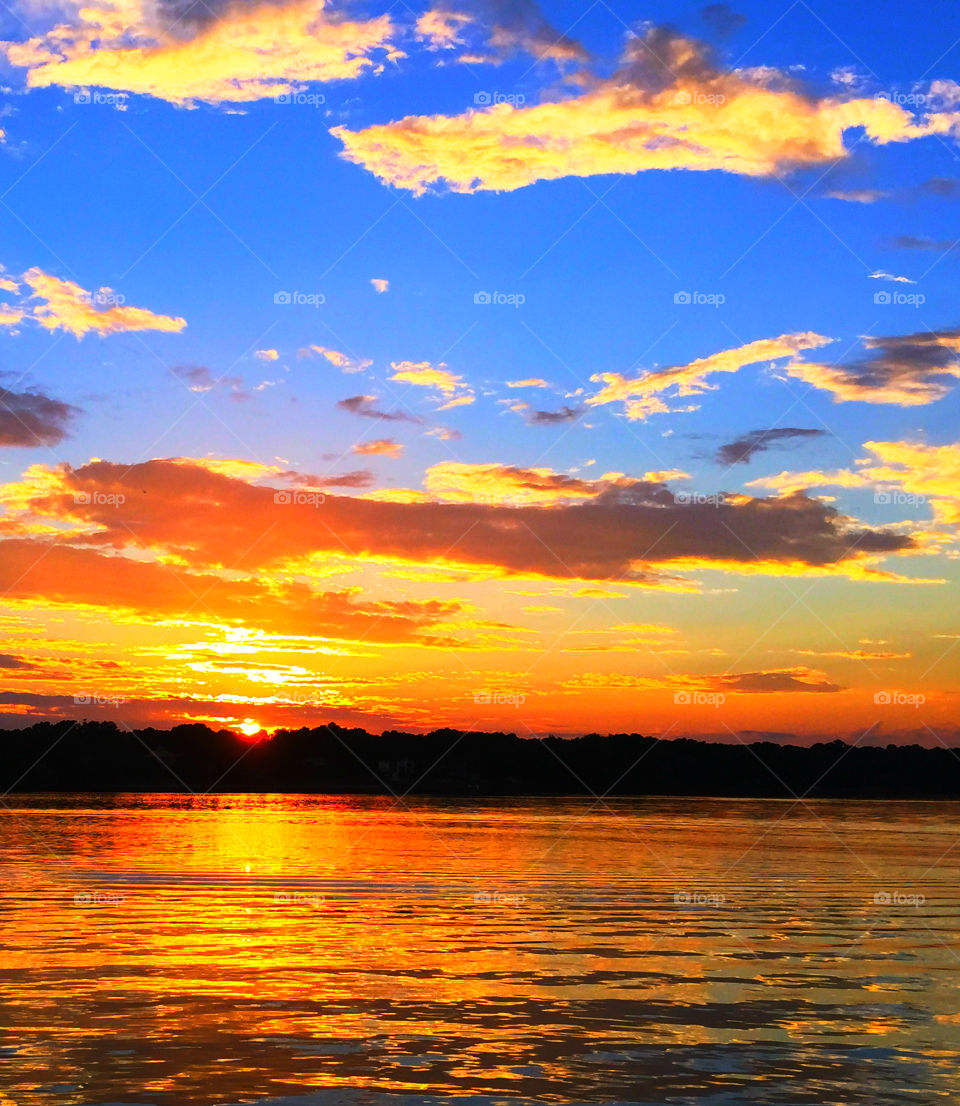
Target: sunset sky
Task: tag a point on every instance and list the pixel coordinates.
(584, 367)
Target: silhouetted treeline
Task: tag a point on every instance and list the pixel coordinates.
(96, 756)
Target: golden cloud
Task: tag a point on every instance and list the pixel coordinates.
(64, 305)
(381, 447)
(425, 375)
(641, 395)
(236, 55)
(907, 474)
(682, 113)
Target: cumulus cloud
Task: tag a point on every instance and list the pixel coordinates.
(267, 355)
(641, 396)
(380, 285)
(743, 449)
(668, 107)
(33, 419)
(64, 305)
(241, 53)
(906, 369)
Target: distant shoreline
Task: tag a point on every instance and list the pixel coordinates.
(102, 758)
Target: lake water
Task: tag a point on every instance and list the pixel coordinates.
(327, 950)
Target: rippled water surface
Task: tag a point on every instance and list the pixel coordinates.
(299, 950)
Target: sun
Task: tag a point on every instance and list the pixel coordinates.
(249, 727)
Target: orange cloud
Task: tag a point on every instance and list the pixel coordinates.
(237, 54)
(668, 107)
(42, 571)
(641, 395)
(380, 285)
(631, 531)
(382, 447)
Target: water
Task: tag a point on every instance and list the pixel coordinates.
(327, 950)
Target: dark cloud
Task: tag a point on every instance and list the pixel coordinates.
(512, 25)
(551, 418)
(722, 19)
(200, 379)
(364, 406)
(7, 660)
(630, 532)
(947, 187)
(740, 451)
(796, 679)
(357, 478)
(911, 242)
(32, 419)
(908, 369)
